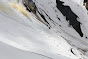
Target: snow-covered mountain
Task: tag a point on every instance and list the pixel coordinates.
(58, 30)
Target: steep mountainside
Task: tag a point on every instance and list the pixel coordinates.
(55, 29)
(68, 19)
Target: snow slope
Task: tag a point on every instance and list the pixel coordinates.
(20, 54)
(26, 34)
(68, 19)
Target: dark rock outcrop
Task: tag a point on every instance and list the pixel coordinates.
(70, 16)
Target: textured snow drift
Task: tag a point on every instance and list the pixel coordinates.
(26, 35)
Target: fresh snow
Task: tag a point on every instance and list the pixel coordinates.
(24, 37)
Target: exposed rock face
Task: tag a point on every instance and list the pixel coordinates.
(30, 4)
(70, 16)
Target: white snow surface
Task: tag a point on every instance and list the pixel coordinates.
(67, 32)
(25, 38)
